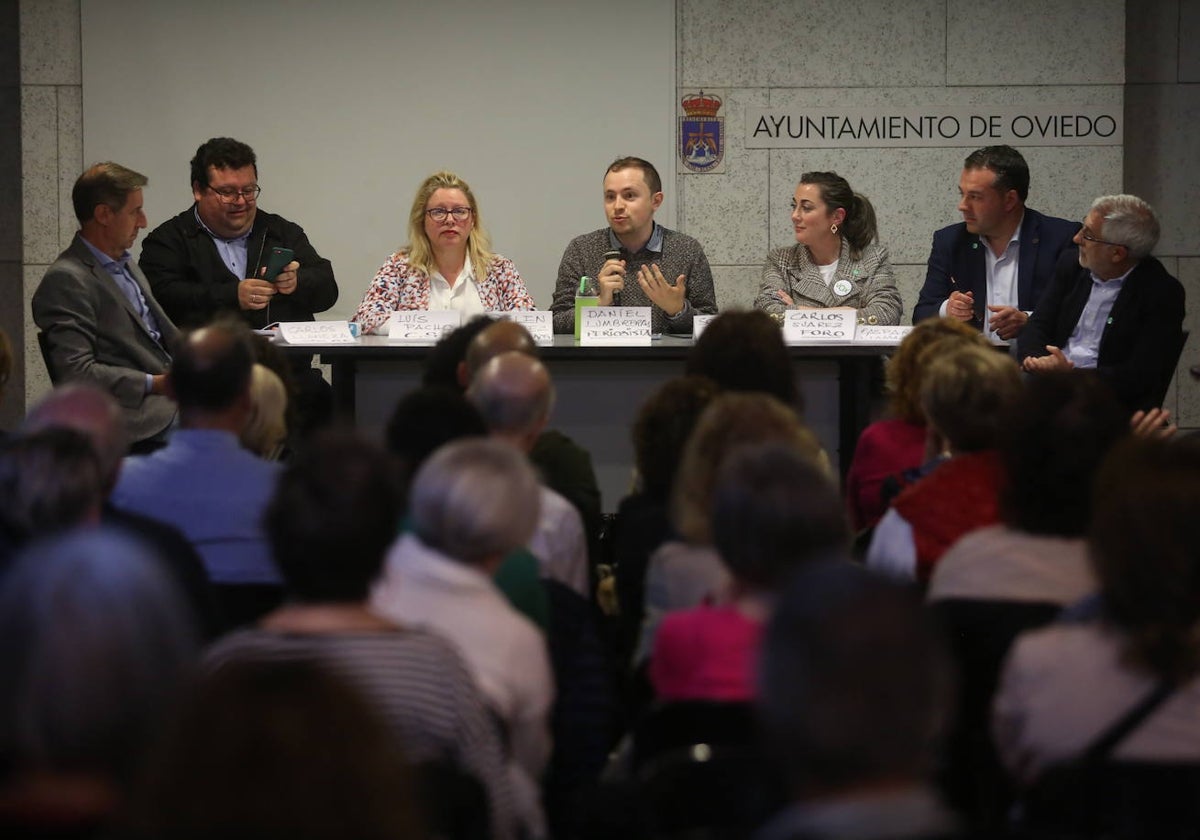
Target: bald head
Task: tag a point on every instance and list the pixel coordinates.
(210, 371)
(90, 411)
(497, 338)
(514, 394)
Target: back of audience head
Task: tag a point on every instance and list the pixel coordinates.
(501, 337)
(772, 509)
(475, 501)
(276, 751)
(728, 421)
(905, 370)
(745, 351)
(964, 395)
(94, 641)
(90, 411)
(335, 510)
(426, 419)
(211, 369)
(50, 482)
(662, 427)
(515, 396)
(449, 354)
(1143, 544)
(854, 686)
(1056, 434)
(266, 428)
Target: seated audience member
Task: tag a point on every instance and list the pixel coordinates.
(203, 482)
(447, 359)
(100, 320)
(274, 750)
(635, 260)
(688, 572)
(447, 263)
(266, 429)
(642, 524)
(1118, 311)
(991, 269)
(471, 503)
(744, 351)
(964, 395)
(96, 643)
(889, 447)
(837, 259)
(853, 693)
(95, 414)
(515, 396)
(772, 510)
(1065, 686)
(1001, 580)
(330, 523)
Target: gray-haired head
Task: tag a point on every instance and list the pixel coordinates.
(1128, 221)
(475, 500)
(50, 482)
(514, 394)
(94, 640)
(87, 409)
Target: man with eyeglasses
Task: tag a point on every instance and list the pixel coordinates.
(1117, 310)
(991, 268)
(211, 259)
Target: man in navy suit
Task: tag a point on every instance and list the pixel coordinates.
(991, 268)
(1116, 310)
(100, 320)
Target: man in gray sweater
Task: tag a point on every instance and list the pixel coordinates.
(635, 260)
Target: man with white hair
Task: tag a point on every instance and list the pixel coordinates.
(473, 502)
(1118, 311)
(514, 394)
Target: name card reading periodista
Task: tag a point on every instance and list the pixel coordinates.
(420, 326)
(539, 322)
(621, 325)
(868, 334)
(820, 326)
(699, 323)
(304, 333)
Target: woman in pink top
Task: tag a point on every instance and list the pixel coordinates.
(772, 509)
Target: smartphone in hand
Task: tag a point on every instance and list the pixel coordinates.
(276, 260)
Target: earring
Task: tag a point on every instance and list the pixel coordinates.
(833, 228)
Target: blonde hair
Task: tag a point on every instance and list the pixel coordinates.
(965, 392)
(731, 420)
(419, 249)
(906, 369)
(266, 428)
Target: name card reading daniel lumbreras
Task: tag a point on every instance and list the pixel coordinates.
(539, 322)
(621, 325)
(305, 333)
(422, 326)
(820, 326)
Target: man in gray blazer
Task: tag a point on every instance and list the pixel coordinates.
(99, 320)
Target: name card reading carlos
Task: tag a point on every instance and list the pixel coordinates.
(626, 325)
(868, 334)
(539, 322)
(422, 326)
(316, 332)
(820, 326)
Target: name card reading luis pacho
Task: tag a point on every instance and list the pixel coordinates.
(622, 325)
(420, 326)
(305, 333)
(539, 322)
(820, 326)
(699, 323)
(868, 334)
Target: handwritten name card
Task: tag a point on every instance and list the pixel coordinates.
(540, 323)
(820, 326)
(868, 334)
(419, 326)
(619, 325)
(699, 322)
(316, 332)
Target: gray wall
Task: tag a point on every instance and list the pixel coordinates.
(11, 320)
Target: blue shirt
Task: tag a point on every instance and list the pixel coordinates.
(119, 269)
(232, 251)
(654, 244)
(206, 485)
(1083, 347)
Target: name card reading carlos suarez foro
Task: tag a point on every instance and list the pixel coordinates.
(313, 333)
(820, 326)
(421, 326)
(620, 325)
(539, 322)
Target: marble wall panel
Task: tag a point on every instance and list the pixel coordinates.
(50, 43)
(1162, 161)
(909, 279)
(1187, 388)
(1067, 42)
(37, 380)
(848, 43)
(10, 173)
(1189, 42)
(737, 285)
(39, 167)
(10, 42)
(70, 157)
(1152, 40)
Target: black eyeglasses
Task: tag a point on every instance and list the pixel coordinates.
(229, 195)
(439, 214)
